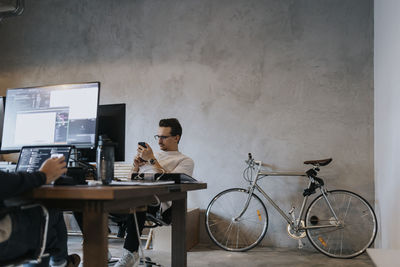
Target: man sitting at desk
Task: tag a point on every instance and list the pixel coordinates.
(168, 160)
(20, 232)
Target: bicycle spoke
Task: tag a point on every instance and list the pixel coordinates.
(328, 231)
(232, 209)
(237, 236)
(341, 244)
(224, 209)
(220, 221)
(347, 209)
(352, 224)
(252, 220)
(246, 240)
(228, 231)
(244, 237)
(329, 238)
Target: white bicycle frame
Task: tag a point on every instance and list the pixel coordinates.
(294, 223)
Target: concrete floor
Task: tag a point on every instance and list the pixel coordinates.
(203, 255)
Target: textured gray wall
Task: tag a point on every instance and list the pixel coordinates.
(286, 80)
(387, 122)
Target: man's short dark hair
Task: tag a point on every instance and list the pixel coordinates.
(176, 128)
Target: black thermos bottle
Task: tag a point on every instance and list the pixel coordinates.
(105, 160)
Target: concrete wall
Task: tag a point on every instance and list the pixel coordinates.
(387, 121)
(286, 80)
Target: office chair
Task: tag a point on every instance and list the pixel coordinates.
(152, 221)
(31, 256)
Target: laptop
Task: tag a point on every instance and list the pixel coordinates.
(31, 158)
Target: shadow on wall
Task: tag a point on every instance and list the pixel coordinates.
(103, 31)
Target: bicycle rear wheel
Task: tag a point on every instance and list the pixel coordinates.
(355, 232)
(232, 233)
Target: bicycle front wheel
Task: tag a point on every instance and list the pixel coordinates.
(351, 234)
(231, 232)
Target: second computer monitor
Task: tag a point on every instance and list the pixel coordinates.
(111, 123)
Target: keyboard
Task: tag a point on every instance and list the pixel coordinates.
(119, 183)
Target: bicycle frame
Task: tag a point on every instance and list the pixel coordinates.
(295, 223)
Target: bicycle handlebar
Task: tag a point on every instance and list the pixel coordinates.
(251, 160)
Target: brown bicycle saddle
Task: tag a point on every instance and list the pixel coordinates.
(320, 162)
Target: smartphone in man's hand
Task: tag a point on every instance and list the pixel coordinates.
(143, 144)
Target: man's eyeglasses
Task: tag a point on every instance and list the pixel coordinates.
(162, 137)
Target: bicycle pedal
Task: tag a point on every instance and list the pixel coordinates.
(300, 243)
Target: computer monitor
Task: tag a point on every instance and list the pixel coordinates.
(111, 122)
(2, 102)
(51, 115)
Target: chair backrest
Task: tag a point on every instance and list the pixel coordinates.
(162, 220)
(32, 256)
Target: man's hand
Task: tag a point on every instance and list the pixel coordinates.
(145, 153)
(137, 163)
(53, 168)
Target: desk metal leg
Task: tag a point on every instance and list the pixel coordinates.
(179, 232)
(95, 232)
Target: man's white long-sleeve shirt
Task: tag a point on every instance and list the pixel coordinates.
(172, 162)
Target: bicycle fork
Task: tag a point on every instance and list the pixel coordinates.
(246, 205)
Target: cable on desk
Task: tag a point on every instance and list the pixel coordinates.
(142, 175)
(158, 201)
(163, 172)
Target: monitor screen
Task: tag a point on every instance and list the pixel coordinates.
(111, 122)
(32, 158)
(51, 115)
(2, 101)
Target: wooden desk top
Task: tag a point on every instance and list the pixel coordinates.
(84, 192)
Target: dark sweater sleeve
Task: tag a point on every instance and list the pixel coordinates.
(14, 184)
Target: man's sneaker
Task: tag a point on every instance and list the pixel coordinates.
(128, 259)
(73, 260)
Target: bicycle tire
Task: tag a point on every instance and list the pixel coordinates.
(231, 235)
(354, 236)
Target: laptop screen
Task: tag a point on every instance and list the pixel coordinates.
(32, 157)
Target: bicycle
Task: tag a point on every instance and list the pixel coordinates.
(338, 223)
